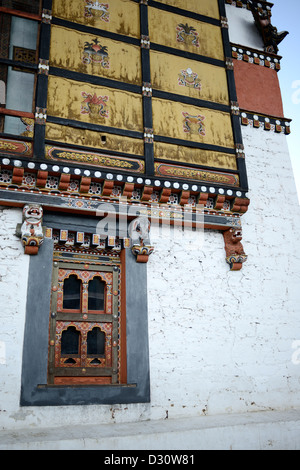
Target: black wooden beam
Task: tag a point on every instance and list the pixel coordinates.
(95, 80)
(94, 127)
(182, 12)
(187, 55)
(42, 84)
(235, 119)
(147, 97)
(95, 31)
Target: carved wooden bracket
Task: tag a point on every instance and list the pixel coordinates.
(235, 255)
(31, 230)
(139, 230)
(270, 35)
(142, 252)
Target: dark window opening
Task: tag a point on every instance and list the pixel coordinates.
(96, 342)
(70, 341)
(72, 293)
(96, 293)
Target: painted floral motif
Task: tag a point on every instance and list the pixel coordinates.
(5, 176)
(93, 52)
(96, 9)
(189, 78)
(193, 124)
(187, 34)
(94, 105)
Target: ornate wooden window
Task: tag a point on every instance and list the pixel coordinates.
(85, 324)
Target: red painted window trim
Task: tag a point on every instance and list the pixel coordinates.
(12, 112)
(24, 14)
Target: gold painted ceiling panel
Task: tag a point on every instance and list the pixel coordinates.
(94, 55)
(118, 16)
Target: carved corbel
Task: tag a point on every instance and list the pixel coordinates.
(270, 35)
(235, 255)
(139, 230)
(31, 230)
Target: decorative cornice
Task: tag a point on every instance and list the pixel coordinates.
(268, 123)
(58, 171)
(244, 3)
(136, 237)
(85, 240)
(253, 56)
(62, 188)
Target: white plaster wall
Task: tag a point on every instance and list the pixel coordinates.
(222, 341)
(13, 286)
(14, 265)
(242, 29)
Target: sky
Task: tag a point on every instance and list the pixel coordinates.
(285, 16)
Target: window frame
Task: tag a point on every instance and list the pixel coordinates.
(82, 371)
(34, 388)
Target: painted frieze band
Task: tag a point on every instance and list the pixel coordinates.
(15, 146)
(172, 171)
(256, 57)
(268, 123)
(95, 159)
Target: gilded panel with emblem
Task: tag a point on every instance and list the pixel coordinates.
(185, 34)
(188, 77)
(192, 123)
(94, 55)
(118, 16)
(93, 104)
